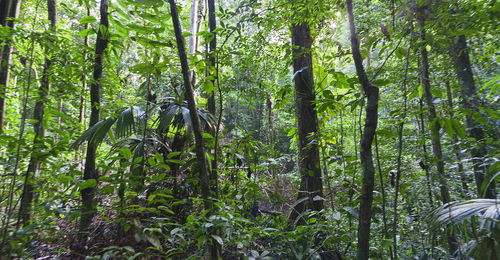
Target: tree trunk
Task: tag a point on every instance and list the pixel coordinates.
(365, 153)
(198, 132)
(81, 116)
(213, 46)
(435, 125)
(8, 9)
(38, 115)
(90, 172)
(463, 178)
(310, 196)
(470, 103)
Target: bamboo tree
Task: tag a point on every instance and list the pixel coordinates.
(310, 195)
(9, 10)
(38, 114)
(372, 96)
(90, 172)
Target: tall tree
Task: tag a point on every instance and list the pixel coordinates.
(38, 115)
(9, 10)
(470, 103)
(365, 153)
(310, 196)
(195, 119)
(435, 125)
(90, 172)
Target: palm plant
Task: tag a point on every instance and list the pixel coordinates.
(131, 131)
(486, 243)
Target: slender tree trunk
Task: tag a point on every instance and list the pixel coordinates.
(212, 24)
(81, 116)
(213, 46)
(189, 95)
(38, 115)
(198, 131)
(8, 9)
(463, 178)
(90, 172)
(372, 96)
(310, 195)
(435, 125)
(470, 102)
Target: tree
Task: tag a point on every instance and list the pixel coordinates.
(470, 102)
(38, 116)
(435, 126)
(372, 96)
(310, 196)
(9, 10)
(90, 173)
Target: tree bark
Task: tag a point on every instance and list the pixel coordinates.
(435, 125)
(38, 114)
(470, 102)
(90, 172)
(193, 112)
(213, 46)
(189, 95)
(372, 96)
(8, 9)
(310, 196)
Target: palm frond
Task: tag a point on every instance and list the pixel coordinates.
(95, 134)
(453, 213)
(165, 117)
(187, 119)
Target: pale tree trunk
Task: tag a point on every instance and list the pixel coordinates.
(38, 115)
(8, 9)
(90, 172)
(435, 125)
(310, 196)
(372, 96)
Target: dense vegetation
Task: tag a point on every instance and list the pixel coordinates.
(249, 129)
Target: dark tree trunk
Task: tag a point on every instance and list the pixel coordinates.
(90, 172)
(435, 125)
(38, 115)
(189, 95)
(211, 99)
(8, 9)
(198, 132)
(212, 48)
(372, 96)
(310, 195)
(471, 103)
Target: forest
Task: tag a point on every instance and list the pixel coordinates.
(249, 129)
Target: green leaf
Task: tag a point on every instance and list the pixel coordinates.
(142, 68)
(108, 189)
(88, 19)
(420, 91)
(90, 183)
(218, 239)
